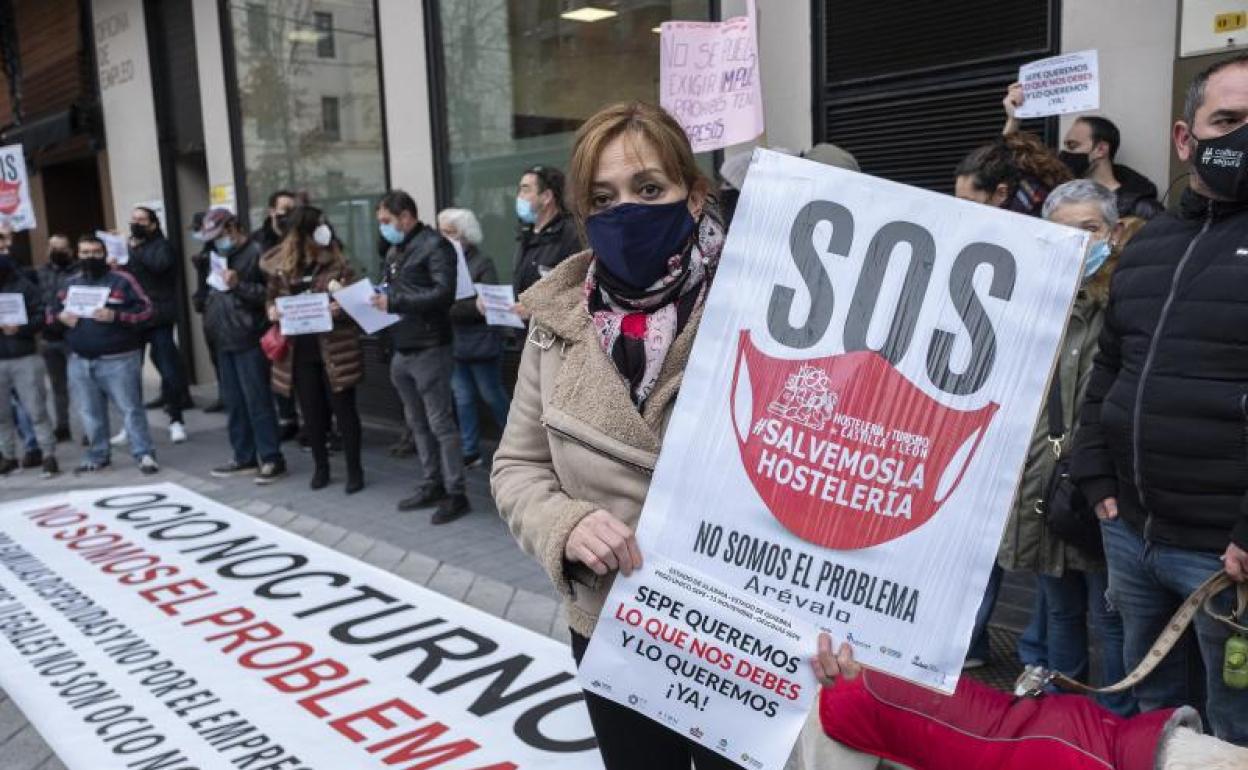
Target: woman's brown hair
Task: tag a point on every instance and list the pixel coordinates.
(646, 121)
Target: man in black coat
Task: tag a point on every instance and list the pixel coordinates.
(62, 262)
(419, 285)
(547, 234)
(155, 266)
(1162, 451)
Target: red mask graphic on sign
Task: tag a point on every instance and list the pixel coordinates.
(10, 196)
(845, 451)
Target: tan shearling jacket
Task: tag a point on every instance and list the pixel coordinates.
(574, 441)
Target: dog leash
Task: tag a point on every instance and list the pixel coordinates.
(1179, 622)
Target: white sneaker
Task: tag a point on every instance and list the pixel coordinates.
(147, 465)
(119, 439)
(177, 433)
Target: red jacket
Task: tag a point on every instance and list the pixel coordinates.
(979, 727)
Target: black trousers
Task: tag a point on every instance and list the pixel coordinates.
(318, 403)
(631, 741)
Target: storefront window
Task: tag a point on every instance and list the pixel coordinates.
(521, 75)
(309, 97)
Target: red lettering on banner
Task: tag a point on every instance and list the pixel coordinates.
(177, 589)
(376, 715)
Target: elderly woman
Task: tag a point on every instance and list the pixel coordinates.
(1071, 581)
(476, 346)
(610, 335)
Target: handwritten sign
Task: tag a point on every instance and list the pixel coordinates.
(709, 80)
(13, 310)
(305, 314)
(1060, 85)
(16, 209)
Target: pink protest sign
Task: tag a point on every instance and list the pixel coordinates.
(709, 80)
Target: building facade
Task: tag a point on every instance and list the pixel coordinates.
(185, 102)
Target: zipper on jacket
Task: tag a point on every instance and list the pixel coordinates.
(1137, 474)
(596, 449)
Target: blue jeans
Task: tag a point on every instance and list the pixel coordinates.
(167, 360)
(1033, 643)
(25, 427)
(248, 399)
(1074, 601)
(469, 379)
(980, 647)
(93, 382)
(1147, 583)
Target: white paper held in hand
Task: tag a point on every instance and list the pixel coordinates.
(115, 246)
(463, 278)
(498, 301)
(1060, 85)
(216, 273)
(83, 301)
(305, 314)
(13, 310)
(355, 301)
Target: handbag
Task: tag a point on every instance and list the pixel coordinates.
(274, 344)
(1066, 512)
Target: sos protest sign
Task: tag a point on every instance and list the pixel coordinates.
(1060, 85)
(148, 627)
(15, 207)
(847, 443)
(709, 80)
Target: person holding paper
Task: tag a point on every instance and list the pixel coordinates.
(154, 265)
(477, 346)
(106, 354)
(234, 319)
(321, 370)
(21, 368)
(610, 335)
(1088, 150)
(547, 234)
(60, 265)
(420, 285)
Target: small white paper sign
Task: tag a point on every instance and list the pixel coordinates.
(115, 245)
(463, 278)
(498, 301)
(83, 301)
(355, 301)
(1060, 85)
(13, 310)
(216, 272)
(305, 314)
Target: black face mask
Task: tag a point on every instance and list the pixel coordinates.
(1222, 163)
(138, 231)
(60, 257)
(94, 268)
(1077, 162)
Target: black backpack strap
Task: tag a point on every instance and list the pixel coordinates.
(1057, 425)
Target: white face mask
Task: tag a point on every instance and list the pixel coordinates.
(322, 235)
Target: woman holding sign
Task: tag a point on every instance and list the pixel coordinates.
(610, 335)
(321, 368)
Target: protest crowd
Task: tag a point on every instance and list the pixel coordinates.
(1142, 434)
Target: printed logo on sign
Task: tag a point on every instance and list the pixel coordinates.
(849, 637)
(696, 732)
(918, 663)
(890, 652)
(846, 452)
(10, 196)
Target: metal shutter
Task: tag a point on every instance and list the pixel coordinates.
(909, 88)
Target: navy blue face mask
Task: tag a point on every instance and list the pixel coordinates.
(635, 241)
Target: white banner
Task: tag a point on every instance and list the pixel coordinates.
(709, 79)
(847, 443)
(1060, 85)
(151, 627)
(16, 209)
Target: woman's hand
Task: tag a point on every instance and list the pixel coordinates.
(275, 315)
(604, 544)
(828, 666)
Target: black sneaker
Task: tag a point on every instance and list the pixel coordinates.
(50, 467)
(8, 465)
(450, 509)
(424, 497)
(32, 459)
(473, 460)
(271, 472)
(87, 467)
(234, 468)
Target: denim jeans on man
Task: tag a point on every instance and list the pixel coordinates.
(248, 399)
(22, 380)
(93, 382)
(1147, 583)
(471, 378)
(423, 379)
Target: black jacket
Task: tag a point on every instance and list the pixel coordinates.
(50, 279)
(266, 236)
(420, 286)
(153, 264)
(235, 319)
(538, 252)
(474, 339)
(1164, 427)
(23, 343)
(202, 262)
(90, 338)
(1137, 197)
